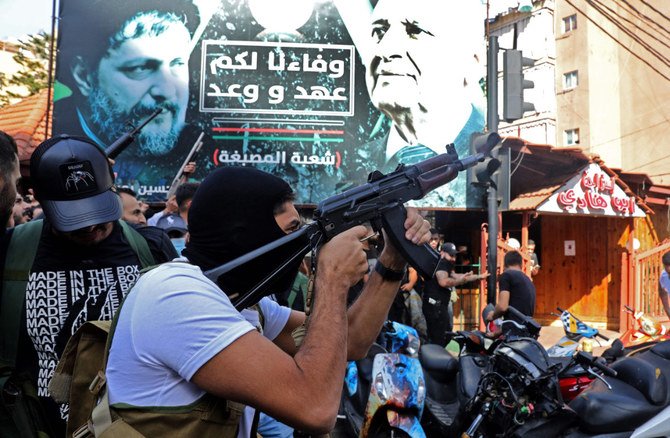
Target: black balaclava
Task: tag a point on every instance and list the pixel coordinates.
(232, 214)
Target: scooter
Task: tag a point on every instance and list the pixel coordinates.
(385, 392)
(451, 380)
(575, 332)
(645, 332)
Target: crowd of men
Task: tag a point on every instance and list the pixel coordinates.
(183, 360)
(175, 321)
(179, 341)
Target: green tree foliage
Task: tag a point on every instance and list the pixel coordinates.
(33, 57)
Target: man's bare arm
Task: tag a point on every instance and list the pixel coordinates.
(367, 314)
(501, 306)
(304, 390)
(413, 277)
(444, 279)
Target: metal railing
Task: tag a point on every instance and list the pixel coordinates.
(648, 269)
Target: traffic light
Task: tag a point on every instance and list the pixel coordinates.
(483, 173)
(493, 171)
(514, 84)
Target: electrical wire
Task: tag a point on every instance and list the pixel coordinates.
(639, 57)
(636, 26)
(600, 8)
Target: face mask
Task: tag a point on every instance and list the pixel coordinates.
(179, 244)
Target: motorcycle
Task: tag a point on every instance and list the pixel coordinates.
(634, 404)
(519, 395)
(521, 386)
(574, 378)
(451, 382)
(384, 392)
(521, 390)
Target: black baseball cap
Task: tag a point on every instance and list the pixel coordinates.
(73, 181)
(449, 248)
(176, 232)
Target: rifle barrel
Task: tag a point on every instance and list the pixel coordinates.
(126, 139)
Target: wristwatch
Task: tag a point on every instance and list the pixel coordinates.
(389, 274)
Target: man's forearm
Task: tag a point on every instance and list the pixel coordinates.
(321, 356)
(368, 313)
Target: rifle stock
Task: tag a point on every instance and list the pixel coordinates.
(378, 202)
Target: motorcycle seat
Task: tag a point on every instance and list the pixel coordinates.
(473, 366)
(662, 349)
(622, 408)
(645, 376)
(438, 362)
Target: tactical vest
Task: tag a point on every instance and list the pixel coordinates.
(21, 413)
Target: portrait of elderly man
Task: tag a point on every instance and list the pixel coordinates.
(121, 61)
(422, 72)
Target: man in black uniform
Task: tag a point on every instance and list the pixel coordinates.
(438, 295)
(516, 289)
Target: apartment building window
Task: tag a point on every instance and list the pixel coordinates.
(572, 137)
(569, 23)
(570, 80)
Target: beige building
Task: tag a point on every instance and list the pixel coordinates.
(609, 67)
(613, 82)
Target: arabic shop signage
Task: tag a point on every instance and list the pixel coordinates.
(592, 192)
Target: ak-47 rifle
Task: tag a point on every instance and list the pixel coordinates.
(113, 150)
(378, 202)
(190, 157)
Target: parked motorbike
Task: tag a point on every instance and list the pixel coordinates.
(646, 332)
(574, 378)
(519, 396)
(520, 390)
(576, 332)
(634, 404)
(385, 391)
(451, 382)
(521, 386)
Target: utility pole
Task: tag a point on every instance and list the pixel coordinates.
(492, 191)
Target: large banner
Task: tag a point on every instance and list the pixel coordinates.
(318, 92)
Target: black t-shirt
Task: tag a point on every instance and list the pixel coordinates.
(521, 290)
(70, 284)
(432, 289)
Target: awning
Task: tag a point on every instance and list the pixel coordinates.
(567, 181)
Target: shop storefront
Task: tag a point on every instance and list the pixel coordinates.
(586, 222)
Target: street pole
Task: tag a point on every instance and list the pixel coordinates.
(492, 199)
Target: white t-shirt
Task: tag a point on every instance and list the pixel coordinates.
(173, 322)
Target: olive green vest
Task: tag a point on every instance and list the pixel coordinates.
(80, 380)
